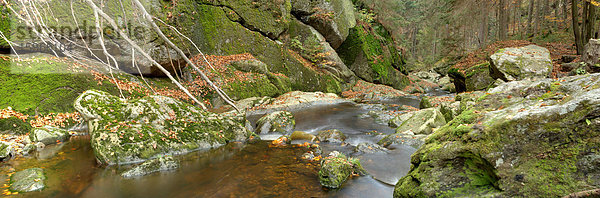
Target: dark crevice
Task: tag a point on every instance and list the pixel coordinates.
(5, 51)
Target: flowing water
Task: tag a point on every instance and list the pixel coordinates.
(235, 170)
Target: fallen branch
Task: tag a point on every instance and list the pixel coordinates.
(582, 194)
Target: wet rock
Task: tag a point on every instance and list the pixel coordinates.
(297, 100)
(300, 135)
(282, 141)
(28, 180)
(29, 148)
(398, 120)
(506, 143)
(336, 168)
(512, 64)
(5, 151)
(422, 122)
(381, 117)
(414, 141)
(152, 166)
(48, 135)
(308, 156)
(279, 121)
(332, 135)
(366, 147)
(129, 131)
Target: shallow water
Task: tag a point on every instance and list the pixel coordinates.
(235, 170)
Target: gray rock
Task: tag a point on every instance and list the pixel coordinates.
(402, 139)
(152, 166)
(28, 180)
(422, 122)
(398, 120)
(332, 135)
(279, 121)
(332, 18)
(366, 147)
(520, 63)
(48, 135)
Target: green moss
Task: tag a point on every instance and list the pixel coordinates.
(13, 125)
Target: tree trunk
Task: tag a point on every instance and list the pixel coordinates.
(502, 20)
(576, 30)
(530, 18)
(484, 24)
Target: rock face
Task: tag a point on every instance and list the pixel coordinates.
(48, 135)
(523, 139)
(369, 52)
(129, 131)
(28, 180)
(312, 46)
(279, 121)
(332, 18)
(152, 166)
(336, 169)
(511, 64)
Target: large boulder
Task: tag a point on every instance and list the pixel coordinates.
(128, 131)
(332, 18)
(152, 166)
(48, 135)
(279, 121)
(422, 122)
(523, 139)
(511, 64)
(591, 56)
(28, 180)
(336, 168)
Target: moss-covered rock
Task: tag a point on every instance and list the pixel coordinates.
(523, 139)
(279, 121)
(332, 135)
(301, 135)
(336, 169)
(152, 166)
(5, 151)
(28, 180)
(422, 122)
(14, 125)
(127, 131)
(48, 135)
(370, 53)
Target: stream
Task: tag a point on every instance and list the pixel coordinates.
(234, 170)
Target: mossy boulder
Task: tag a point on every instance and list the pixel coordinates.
(152, 166)
(128, 131)
(5, 151)
(511, 64)
(301, 135)
(279, 121)
(475, 78)
(332, 135)
(332, 18)
(523, 139)
(28, 180)
(336, 168)
(48, 135)
(14, 125)
(422, 122)
(370, 53)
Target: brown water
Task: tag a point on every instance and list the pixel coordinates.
(235, 170)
